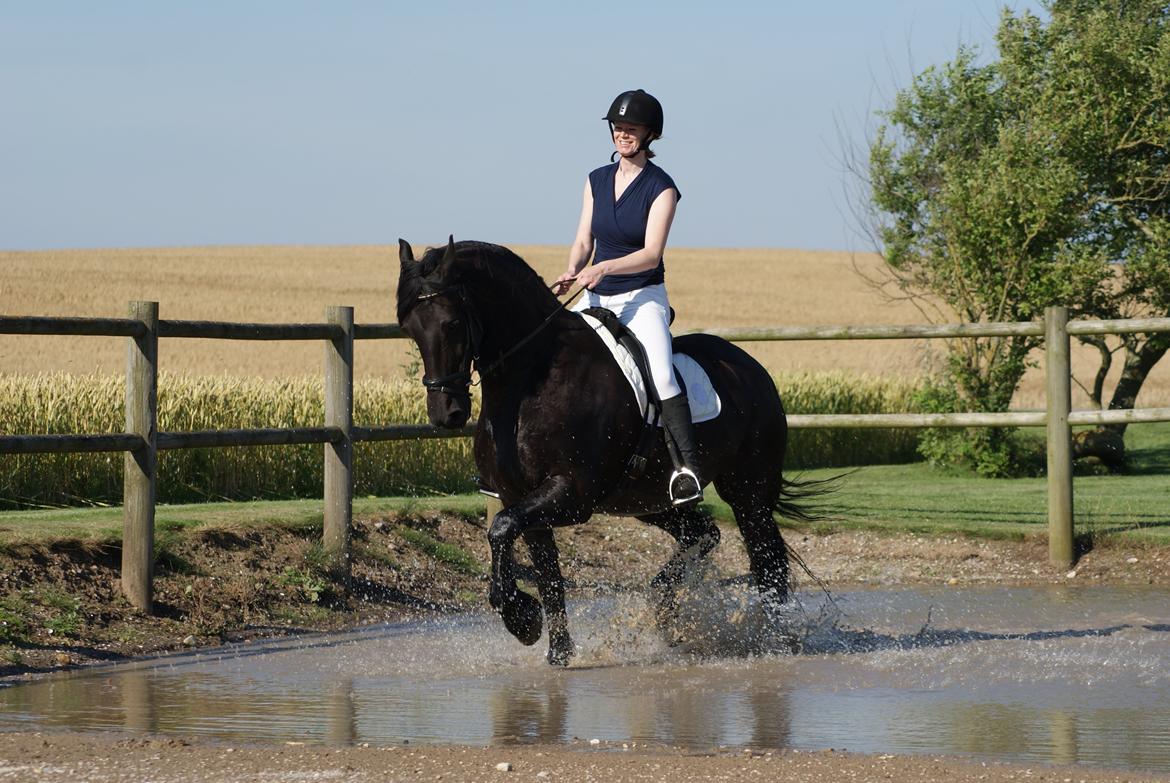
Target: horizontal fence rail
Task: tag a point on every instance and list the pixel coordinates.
(142, 441)
(1012, 329)
(1129, 326)
(285, 436)
(1023, 329)
(219, 330)
(80, 327)
(877, 421)
(68, 444)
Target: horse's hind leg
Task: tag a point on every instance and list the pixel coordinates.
(752, 500)
(696, 535)
(550, 583)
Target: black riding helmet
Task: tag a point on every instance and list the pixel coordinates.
(638, 107)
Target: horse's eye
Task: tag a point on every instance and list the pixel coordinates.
(453, 325)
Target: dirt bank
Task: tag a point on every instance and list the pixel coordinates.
(60, 603)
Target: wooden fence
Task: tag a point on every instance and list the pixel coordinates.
(142, 441)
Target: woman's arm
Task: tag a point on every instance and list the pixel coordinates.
(582, 248)
(657, 230)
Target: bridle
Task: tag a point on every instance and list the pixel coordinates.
(459, 383)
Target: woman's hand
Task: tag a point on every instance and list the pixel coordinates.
(563, 283)
(591, 275)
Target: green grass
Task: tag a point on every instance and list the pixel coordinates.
(1149, 448)
(53, 609)
(917, 498)
(13, 622)
(914, 498)
(308, 582)
(457, 558)
(103, 525)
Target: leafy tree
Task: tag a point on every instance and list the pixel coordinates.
(975, 211)
(999, 189)
(1107, 101)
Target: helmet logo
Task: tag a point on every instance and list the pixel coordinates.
(622, 110)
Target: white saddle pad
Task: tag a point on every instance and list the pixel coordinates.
(701, 394)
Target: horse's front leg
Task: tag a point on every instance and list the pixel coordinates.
(554, 502)
(519, 610)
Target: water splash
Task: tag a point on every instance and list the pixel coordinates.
(711, 620)
(1030, 674)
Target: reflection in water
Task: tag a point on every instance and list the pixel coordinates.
(138, 702)
(340, 721)
(771, 725)
(524, 712)
(1063, 724)
(1058, 676)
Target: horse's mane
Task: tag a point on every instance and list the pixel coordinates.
(489, 271)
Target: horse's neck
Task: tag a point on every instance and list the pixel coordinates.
(507, 321)
(530, 350)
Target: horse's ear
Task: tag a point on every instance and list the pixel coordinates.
(448, 255)
(405, 254)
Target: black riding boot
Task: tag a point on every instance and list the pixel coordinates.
(685, 484)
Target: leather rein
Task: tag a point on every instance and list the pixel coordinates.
(458, 384)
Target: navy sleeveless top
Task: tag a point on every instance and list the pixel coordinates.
(619, 228)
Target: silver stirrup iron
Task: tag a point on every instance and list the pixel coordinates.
(684, 487)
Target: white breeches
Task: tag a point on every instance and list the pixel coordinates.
(646, 312)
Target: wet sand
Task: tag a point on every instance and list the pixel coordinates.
(79, 758)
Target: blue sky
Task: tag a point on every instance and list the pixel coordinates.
(163, 123)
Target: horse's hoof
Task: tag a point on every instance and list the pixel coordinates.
(774, 603)
(523, 617)
(666, 610)
(560, 654)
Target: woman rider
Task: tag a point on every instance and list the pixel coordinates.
(625, 216)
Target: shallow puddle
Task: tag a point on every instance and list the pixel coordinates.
(1064, 675)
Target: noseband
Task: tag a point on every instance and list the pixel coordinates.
(458, 384)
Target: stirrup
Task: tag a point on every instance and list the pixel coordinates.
(684, 487)
(485, 488)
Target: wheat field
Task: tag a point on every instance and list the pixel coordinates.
(708, 288)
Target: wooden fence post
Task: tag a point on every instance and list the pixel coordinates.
(339, 456)
(140, 465)
(1057, 372)
(494, 506)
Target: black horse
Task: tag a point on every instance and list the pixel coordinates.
(559, 424)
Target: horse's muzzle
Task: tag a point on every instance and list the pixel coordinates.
(450, 411)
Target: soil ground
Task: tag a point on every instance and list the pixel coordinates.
(61, 607)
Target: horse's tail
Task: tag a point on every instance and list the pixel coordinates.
(797, 499)
(793, 503)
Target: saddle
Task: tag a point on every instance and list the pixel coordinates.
(636, 465)
(703, 397)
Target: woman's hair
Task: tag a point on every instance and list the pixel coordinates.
(646, 144)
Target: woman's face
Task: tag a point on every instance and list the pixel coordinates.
(627, 137)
